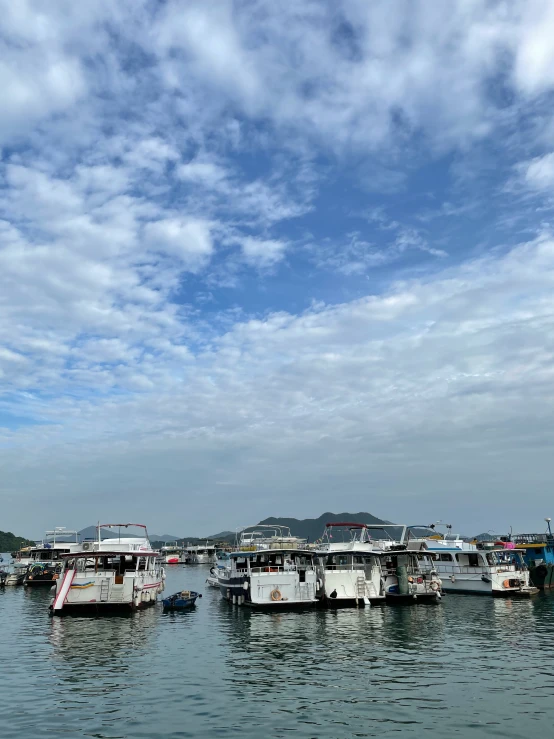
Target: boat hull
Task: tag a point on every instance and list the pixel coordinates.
(181, 601)
(267, 592)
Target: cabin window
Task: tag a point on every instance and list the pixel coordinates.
(359, 560)
(473, 559)
(443, 557)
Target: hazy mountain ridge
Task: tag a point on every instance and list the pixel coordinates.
(313, 528)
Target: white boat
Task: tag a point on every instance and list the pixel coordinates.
(409, 573)
(56, 542)
(14, 576)
(485, 568)
(350, 565)
(200, 554)
(270, 569)
(42, 563)
(173, 554)
(117, 572)
(213, 578)
(408, 568)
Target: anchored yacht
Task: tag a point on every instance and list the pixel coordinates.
(117, 572)
(350, 565)
(42, 563)
(270, 568)
(201, 554)
(488, 568)
(173, 554)
(408, 567)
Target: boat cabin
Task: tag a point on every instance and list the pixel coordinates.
(273, 560)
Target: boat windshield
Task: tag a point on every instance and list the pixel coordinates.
(505, 557)
(347, 561)
(119, 563)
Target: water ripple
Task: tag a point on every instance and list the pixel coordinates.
(474, 667)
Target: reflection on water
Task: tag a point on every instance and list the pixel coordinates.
(471, 666)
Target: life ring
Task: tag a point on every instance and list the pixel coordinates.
(506, 584)
(434, 585)
(276, 595)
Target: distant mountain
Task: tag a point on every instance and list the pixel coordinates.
(223, 536)
(164, 537)
(312, 528)
(11, 543)
(486, 537)
(90, 533)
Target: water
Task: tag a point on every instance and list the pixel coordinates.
(470, 667)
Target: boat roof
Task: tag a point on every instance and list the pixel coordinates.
(272, 551)
(118, 553)
(348, 524)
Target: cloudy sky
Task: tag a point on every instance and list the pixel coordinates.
(264, 258)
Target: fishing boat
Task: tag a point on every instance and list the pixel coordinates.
(271, 570)
(120, 572)
(173, 554)
(181, 601)
(487, 568)
(349, 565)
(200, 554)
(538, 555)
(43, 562)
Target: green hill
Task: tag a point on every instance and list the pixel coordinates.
(11, 543)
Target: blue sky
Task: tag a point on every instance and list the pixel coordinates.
(273, 259)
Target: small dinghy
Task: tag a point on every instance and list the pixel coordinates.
(181, 601)
(212, 579)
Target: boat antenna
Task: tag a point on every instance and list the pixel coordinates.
(548, 519)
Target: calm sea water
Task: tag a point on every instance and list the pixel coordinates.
(470, 667)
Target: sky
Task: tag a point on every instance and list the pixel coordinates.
(273, 259)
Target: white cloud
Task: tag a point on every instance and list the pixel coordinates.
(539, 173)
(189, 240)
(263, 252)
(438, 385)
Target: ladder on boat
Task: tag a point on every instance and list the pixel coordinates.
(104, 590)
(360, 588)
(117, 594)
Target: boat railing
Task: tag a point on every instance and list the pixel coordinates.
(267, 569)
(534, 539)
(350, 567)
(456, 569)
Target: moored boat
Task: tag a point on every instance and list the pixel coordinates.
(173, 554)
(349, 565)
(43, 562)
(200, 554)
(483, 568)
(213, 578)
(118, 572)
(270, 570)
(408, 575)
(181, 601)
(14, 577)
(538, 555)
